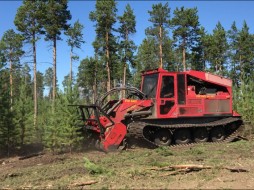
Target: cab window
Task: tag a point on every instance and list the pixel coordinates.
(150, 85)
(167, 87)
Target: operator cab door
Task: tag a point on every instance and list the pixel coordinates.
(166, 95)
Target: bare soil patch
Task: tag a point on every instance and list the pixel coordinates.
(131, 169)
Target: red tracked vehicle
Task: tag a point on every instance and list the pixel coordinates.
(171, 108)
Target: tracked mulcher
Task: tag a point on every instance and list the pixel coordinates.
(172, 108)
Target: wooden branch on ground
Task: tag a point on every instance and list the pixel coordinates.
(78, 184)
(238, 170)
(242, 138)
(184, 170)
(192, 167)
(189, 166)
(31, 155)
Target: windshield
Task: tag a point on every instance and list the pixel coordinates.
(150, 85)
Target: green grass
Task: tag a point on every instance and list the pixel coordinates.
(164, 151)
(92, 168)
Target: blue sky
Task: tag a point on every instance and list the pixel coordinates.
(210, 12)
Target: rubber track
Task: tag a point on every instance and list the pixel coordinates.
(135, 129)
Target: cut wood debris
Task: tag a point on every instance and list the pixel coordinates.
(31, 155)
(78, 184)
(175, 169)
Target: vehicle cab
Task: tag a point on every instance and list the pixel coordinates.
(160, 86)
(187, 94)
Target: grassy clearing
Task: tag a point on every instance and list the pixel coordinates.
(132, 169)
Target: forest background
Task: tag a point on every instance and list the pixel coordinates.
(34, 104)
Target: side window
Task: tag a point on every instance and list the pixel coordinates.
(150, 85)
(167, 87)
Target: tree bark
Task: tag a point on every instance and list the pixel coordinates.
(160, 46)
(184, 55)
(125, 64)
(95, 82)
(94, 88)
(220, 68)
(35, 85)
(54, 69)
(241, 68)
(124, 79)
(107, 64)
(11, 84)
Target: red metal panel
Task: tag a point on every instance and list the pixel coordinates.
(211, 78)
(217, 79)
(217, 106)
(224, 106)
(188, 110)
(194, 101)
(211, 106)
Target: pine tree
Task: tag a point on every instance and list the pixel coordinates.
(127, 46)
(218, 49)
(241, 43)
(48, 81)
(246, 48)
(28, 22)
(61, 131)
(54, 22)
(147, 54)
(186, 29)
(11, 47)
(244, 102)
(90, 72)
(2, 57)
(105, 42)
(75, 39)
(71, 135)
(51, 131)
(24, 113)
(233, 49)
(40, 85)
(44, 116)
(168, 55)
(8, 133)
(146, 58)
(197, 56)
(159, 16)
(204, 43)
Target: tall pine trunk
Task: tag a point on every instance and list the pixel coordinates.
(220, 68)
(204, 65)
(160, 34)
(35, 85)
(125, 64)
(107, 63)
(216, 66)
(95, 81)
(241, 69)
(94, 91)
(184, 55)
(11, 84)
(54, 69)
(71, 66)
(124, 78)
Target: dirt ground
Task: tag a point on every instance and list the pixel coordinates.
(138, 168)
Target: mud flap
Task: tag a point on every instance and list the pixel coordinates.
(113, 137)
